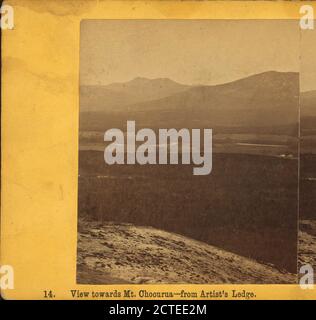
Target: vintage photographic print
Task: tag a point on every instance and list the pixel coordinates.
(158, 151)
(189, 152)
(307, 200)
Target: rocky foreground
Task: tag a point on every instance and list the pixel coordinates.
(307, 243)
(123, 253)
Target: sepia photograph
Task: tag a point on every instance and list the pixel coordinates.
(189, 152)
(155, 151)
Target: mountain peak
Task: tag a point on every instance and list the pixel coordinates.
(144, 80)
(139, 79)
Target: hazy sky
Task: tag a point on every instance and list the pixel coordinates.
(187, 51)
(308, 60)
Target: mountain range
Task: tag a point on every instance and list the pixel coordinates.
(117, 96)
(266, 100)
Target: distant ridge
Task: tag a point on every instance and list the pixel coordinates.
(266, 99)
(117, 95)
(269, 99)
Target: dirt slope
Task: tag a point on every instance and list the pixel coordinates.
(124, 253)
(307, 243)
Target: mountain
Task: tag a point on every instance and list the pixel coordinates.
(148, 89)
(269, 99)
(125, 253)
(116, 96)
(262, 100)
